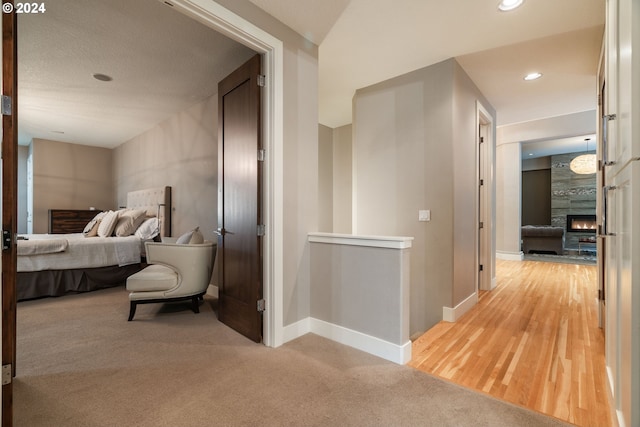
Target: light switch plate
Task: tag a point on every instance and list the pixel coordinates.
(424, 215)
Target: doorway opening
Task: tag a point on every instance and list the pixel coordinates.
(484, 203)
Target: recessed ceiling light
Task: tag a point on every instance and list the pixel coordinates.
(507, 5)
(102, 77)
(532, 76)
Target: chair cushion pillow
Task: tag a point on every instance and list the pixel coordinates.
(193, 237)
(153, 278)
(196, 238)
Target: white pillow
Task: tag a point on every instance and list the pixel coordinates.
(148, 229)
(128, 221)
(107, 224)
(91, 229)
(193, 237)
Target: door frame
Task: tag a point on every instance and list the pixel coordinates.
(8, 213)
(237, 28)
(485, 279)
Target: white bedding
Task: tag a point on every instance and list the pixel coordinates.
(42, 246)
(83, 252)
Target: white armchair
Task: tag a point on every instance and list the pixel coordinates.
(177, 272)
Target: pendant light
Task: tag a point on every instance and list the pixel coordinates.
(584, 164)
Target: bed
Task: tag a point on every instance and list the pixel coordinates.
(57, 264)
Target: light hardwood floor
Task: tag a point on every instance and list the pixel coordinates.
(533, 341)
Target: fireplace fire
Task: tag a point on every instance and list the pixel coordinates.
(581, 223)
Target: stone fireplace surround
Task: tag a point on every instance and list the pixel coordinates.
(571, 194)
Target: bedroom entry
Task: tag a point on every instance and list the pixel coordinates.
(9, 204)
(241, 226)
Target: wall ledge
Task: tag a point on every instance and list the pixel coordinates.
(389, 242)
(400, 354)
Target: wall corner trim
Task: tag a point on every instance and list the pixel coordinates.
(453, 314)
(400, 354)
(510, 256)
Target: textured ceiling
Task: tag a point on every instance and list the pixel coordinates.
(161, 62)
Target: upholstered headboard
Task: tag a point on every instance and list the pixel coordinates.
(157, 202)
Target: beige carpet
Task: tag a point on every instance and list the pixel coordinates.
(80, 363)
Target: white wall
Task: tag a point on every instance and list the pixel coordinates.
(508, 203)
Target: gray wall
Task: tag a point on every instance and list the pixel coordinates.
(182, 153)
(69, 176)
(335, 179)
(465, 183)
(325, 179)
(408, 155)
(342, 180)
(364, 289)
(300, 154)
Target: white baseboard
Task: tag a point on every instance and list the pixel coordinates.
(212, 290)
(296, 330)
(400, 354)
(610, 378)
(453, 314)
(510, 256)
(492, 285)
(619, 414)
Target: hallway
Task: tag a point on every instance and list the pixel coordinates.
(533, 341)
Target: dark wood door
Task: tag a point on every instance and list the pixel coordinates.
(240, 200)
(9, 206)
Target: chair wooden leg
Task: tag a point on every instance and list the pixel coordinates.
(195, 304)
(132, 310)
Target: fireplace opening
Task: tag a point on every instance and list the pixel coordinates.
(581, 223)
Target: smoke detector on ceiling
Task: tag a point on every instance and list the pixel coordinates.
(102, 77)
